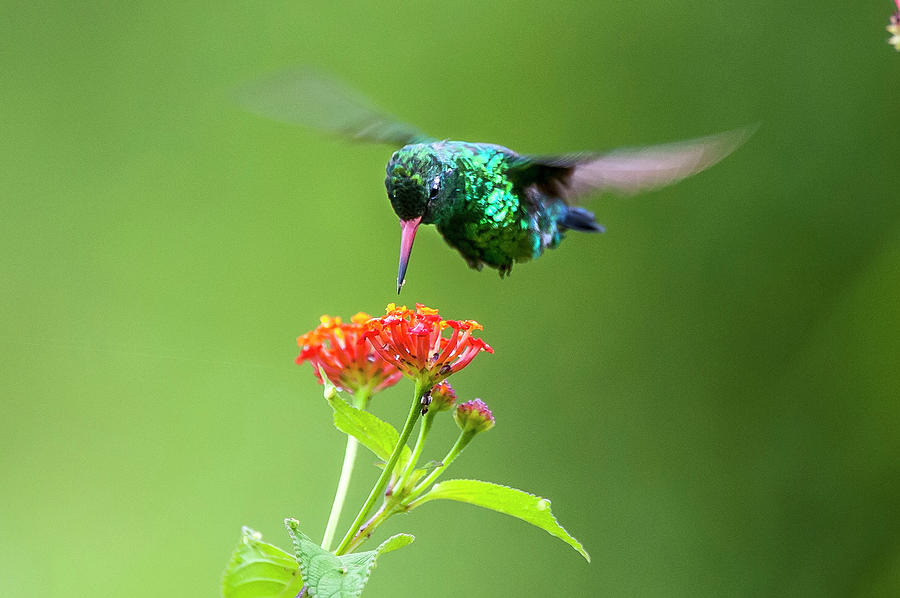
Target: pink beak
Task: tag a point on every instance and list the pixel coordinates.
(407, 236)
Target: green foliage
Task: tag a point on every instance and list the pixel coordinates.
(503, 499)
(260, 570)
(373, 433)
(331, 576)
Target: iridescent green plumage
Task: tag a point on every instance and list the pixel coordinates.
(478, 208)
(494, 206)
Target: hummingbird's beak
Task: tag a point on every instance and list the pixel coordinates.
(407, 235)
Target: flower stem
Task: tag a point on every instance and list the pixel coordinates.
(464, 438)
(424, 428)
(414, 411)
(390, 505)
(404, 503)
(360, 401)
(371, 525)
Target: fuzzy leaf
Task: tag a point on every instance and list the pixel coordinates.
(503, 499)
(330, 576)
(260, 570)
(376, 435)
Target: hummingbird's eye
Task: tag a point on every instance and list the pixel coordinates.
(435, 188)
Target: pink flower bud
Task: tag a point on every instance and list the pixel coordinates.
(443, 397)
(474, 416)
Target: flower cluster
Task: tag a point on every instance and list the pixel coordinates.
(340, 351)
(413, 342)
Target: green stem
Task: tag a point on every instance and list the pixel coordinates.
(424, 428)
(405, 503)
(414, 411)
(464, 439)
(360, 401)
(389, 507)
(385, 511)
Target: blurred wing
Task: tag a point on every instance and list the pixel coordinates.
(629, 171)
(305, 97)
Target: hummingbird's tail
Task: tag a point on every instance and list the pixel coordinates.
(576, 218)
(550, 221)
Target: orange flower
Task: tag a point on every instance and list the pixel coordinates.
(339, 349)
(413, 341)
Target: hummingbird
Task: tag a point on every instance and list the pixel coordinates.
(495, 206)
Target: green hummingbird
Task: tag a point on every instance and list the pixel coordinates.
(493, 205)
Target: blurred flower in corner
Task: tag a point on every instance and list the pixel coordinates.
(894, 28)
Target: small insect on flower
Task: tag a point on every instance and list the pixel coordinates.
(337, 348)
(425, 402)
(413, 341)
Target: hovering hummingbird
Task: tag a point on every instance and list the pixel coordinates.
(493, 205)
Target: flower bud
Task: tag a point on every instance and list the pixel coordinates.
(443, 397)
(474, 416)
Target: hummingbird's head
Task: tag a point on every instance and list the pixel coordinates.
(415, 185)
(414, 182)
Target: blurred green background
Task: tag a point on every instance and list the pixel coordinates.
(708, 393)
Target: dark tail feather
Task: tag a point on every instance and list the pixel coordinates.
(577, 218)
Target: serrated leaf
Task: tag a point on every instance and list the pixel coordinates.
(376, 435)
(394, 542)
(330, 576)
(503, 499)
(260, 570)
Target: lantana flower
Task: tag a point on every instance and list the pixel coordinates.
(348, 362)
(414, 342)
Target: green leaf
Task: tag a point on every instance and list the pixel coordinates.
(376, 435)
(260, 570)
(503, 499)
(330, 576)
